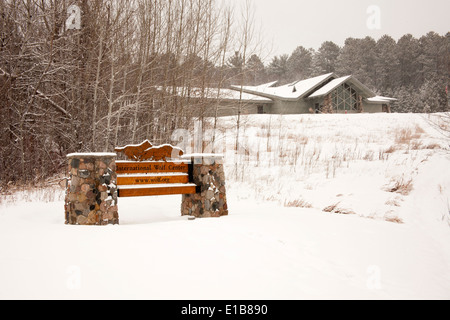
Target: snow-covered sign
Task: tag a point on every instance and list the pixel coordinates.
(146, 151)
(73, 22)
(158, 177)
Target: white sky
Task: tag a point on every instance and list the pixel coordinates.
(287, 24)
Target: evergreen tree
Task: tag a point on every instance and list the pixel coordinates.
(367, 55)
(300, 64)
(433, 95)
(235, 65)
(387, 64)
(408, 51)
(347, 62)
(256, 71)
(326, 58)
(434, 51)
(278, 69)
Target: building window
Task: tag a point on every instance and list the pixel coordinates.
(260, 109)
(345, 98)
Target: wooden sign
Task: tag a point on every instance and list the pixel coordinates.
(146, 151)
(151, 174)
(125, 192)
(161, 153)
(128, 167)
(123, 180)
(134, 152)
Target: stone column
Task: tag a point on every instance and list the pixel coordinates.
(211, 200)
(328, 104)
(91, 197)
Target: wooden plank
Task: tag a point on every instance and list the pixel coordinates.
(124, 167)
(123, 180)
(152, 191)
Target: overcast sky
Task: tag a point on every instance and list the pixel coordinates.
(289, 23)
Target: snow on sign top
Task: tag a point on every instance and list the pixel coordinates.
(91, 155)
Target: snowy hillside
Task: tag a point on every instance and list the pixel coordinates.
(329, 206)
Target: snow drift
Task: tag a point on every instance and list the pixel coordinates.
(321, 207)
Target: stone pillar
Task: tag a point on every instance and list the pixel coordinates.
(91, 196)
(328, 104)
(211, 200)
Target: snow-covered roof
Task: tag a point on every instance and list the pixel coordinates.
(329, 87)
(268, 92)
(228, 94)
(381, 99)
(219, 94)
(335, 83)
(293, 91)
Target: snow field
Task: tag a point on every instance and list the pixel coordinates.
(356, 161)
(277, 242)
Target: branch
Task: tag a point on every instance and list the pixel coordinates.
(40, 94)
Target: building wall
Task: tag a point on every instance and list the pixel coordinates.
(290, 107)
(373, 108)
(228, 109)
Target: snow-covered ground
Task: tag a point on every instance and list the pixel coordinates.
(321, 207)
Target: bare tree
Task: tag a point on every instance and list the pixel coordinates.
(134, 69)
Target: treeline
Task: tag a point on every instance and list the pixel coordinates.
(111, 82)
(139, 69)
(415, 71)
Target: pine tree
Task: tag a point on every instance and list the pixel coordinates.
(256, 72)
(278, 69)
(300, 64)
(387, 64)
(348, 62)
(326, 58)
(408, 51)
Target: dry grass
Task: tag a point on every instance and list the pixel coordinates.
(31, 194)
(403, 136)
(393, 203)
(401, 185)
(331, 208)
(407, 135)
(391, 217)
(419, 130)
(391, 149)
(410, 137)
(416, 145)
(334, 208)
(299, 203)
(433, 146)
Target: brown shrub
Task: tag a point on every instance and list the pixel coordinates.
(299, 203)
(336, 209)
(402, 186)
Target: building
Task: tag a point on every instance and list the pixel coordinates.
(323, 94)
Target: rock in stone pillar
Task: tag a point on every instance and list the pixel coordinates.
(211, 200)
(328, 104)
(91, 198)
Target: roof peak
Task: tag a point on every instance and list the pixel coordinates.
(292, 91)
